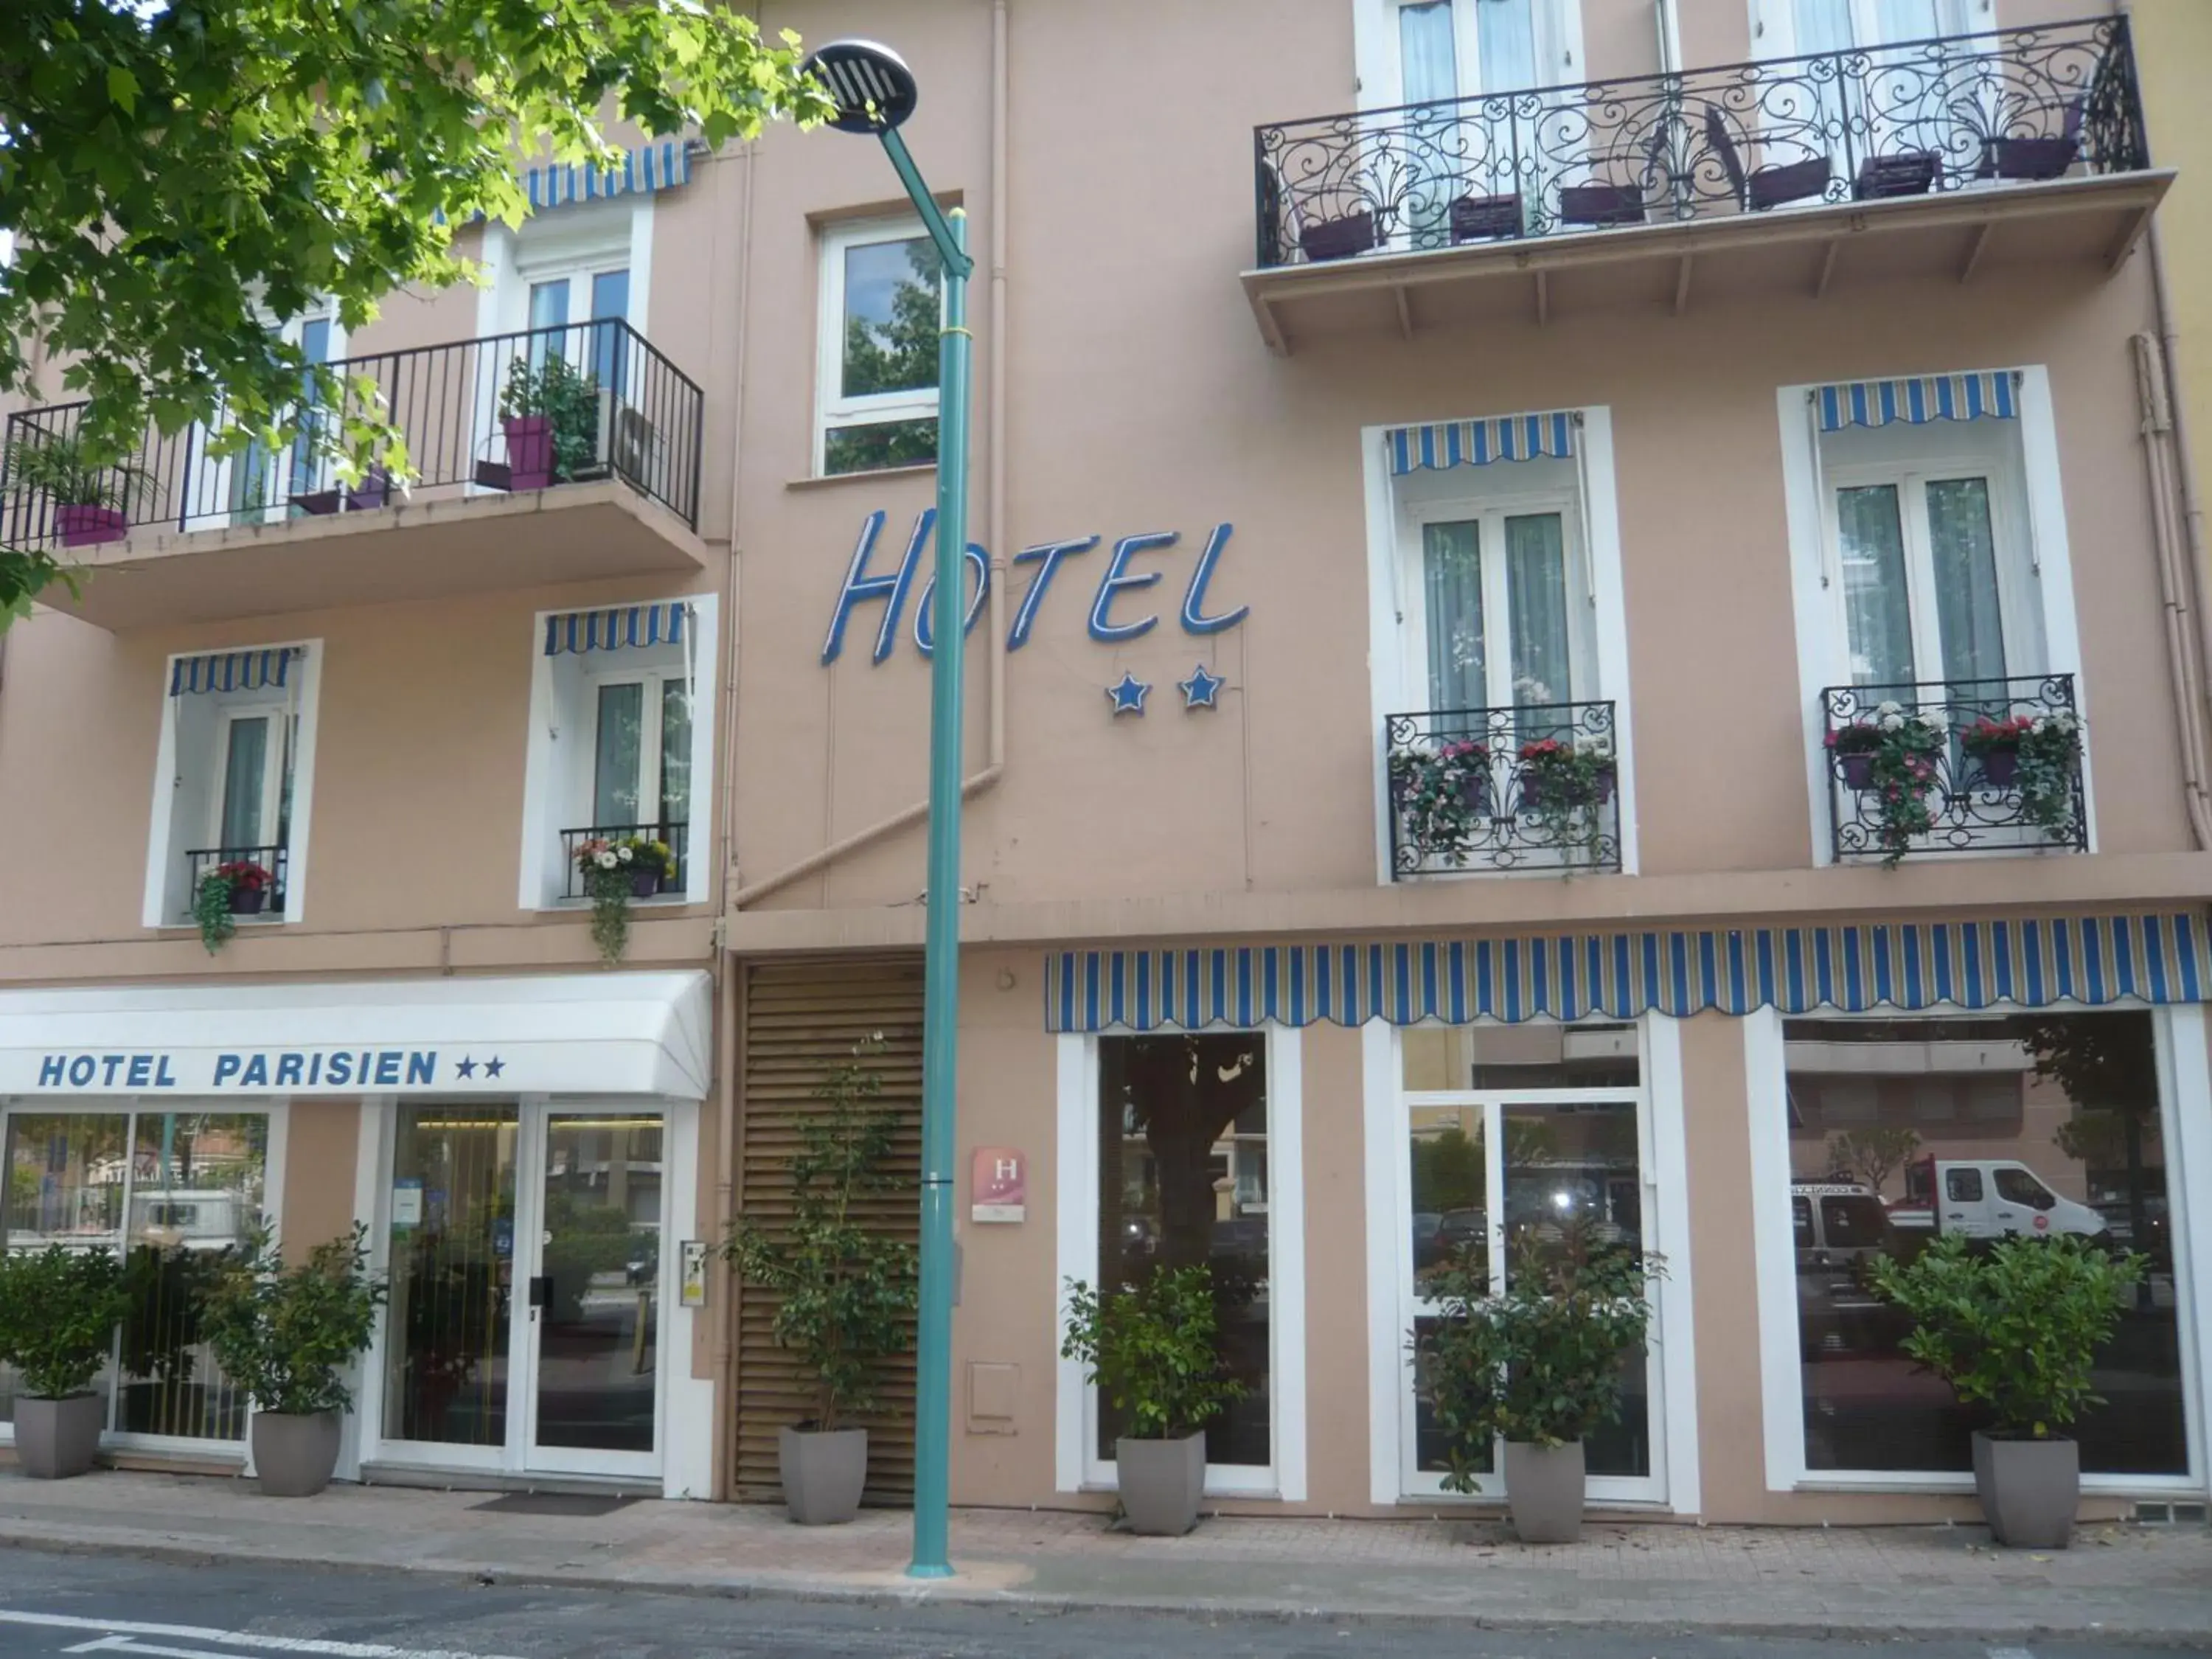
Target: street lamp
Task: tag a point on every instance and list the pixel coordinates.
(875, 93)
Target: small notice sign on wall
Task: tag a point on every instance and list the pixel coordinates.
(997, 1185)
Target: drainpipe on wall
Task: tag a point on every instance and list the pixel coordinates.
(995, 616)
(2157, 403)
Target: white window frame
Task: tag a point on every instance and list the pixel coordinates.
(1774, 24)
(652, 715)
(280, 740)
(275, 1108)
(1662, 1150)
(1396, 660)
(2185, 1073)
(833, 409)
(1077, 1466)
(207, 488)
(163, 845)
(1823, 634)
(548, 792)
(1380, 67)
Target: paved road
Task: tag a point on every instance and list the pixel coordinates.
(73, 1604)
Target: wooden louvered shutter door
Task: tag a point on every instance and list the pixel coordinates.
(802, 1019)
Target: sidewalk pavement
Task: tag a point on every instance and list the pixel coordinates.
(2122, 1583)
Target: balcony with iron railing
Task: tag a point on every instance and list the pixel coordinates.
(1962, 766)
(1962, 153)
(584, 427)
(262, 897)
(669, 883)
(1527, 788)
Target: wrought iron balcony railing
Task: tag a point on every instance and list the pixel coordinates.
(1963, 766)
(1947, 114)
(204, 861)
(673, 836)
(525, 410)
(1527, 788)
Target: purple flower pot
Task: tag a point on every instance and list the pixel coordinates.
(368, 494)
(1532, 789)
(644, 883)
(1858, 769)
(529, 450)
(248, 901)
(2000, 767)
(1474, 793)
(88, 526)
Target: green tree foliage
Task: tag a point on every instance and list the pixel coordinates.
(1448, 1172)
(1540, 1362)
(899, 354)
(845, 1293)
(172, 169)
(1149, 1348)
(1873, 1153)
(2015, 1326)
(284, 1333)
(59, 1308)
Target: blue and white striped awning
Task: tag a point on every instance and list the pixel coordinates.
(650, 167)
(1477, 443)
(617, 630)
(1916, 403)
(232, 671)
(2080, 960)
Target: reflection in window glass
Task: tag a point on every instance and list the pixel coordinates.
(618, 754)
(2077, 1150)
(893, 311)
(1183, 1181)
(1532, 1055)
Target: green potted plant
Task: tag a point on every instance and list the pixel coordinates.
(845, 1292)
(1443, 795)
(1537, 1365)
(2036, 754)
(92, 500)
(237, 887)
(284, 1333)
(652, 865)
(58, 1309)
(550, 413)
(1891, 755)
(1561, 775)
(1150, 1348)
(2015, 1328)
(610, 880)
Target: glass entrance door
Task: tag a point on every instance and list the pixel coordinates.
(594, 1292)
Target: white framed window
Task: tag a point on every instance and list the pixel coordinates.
(621, 739)
(2061, 1120)
(1179, 1147)
(1496, 615)
(1475, 1134)
(882, 306)
(1930, 565)
(234, 779)
(1418, 52)
(167, 1186)
(257, 485)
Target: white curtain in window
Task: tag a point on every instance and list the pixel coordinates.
(1877, 611)
(1428, 53)
(1824, 26)
(619, 750)
(1536, 594)
(244, 768)
(1964, 553)
(1452, 575)
(1505, 42)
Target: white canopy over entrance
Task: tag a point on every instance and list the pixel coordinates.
(570, 1034)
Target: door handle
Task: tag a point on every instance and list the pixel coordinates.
(541, 1290)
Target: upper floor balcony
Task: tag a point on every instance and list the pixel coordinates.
(546, 455)
(1937, 157)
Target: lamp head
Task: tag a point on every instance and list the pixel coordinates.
(872, 87)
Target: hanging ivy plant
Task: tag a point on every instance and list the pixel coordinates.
(1445, 793)
(1899, 749)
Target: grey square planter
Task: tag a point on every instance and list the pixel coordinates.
(1161, 1483)
(823, 1473)
(57, 1438)
(294, 1454)
(2029, 1490)
(1544, 1491)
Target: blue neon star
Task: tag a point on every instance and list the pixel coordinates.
(467, 1068)
(494, 1067)
(1200, 689)
(1129, 696)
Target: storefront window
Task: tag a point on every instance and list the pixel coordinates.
(1520, 1129)
(2025, 1124)
(177, 1194)
(1183, 1181)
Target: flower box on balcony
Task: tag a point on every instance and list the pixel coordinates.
(85, 525)
(1339, 238)
(1478, 218)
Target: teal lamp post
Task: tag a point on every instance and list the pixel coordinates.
(875, 93)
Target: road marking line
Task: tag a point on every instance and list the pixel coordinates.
(236, 1639)
(2011, 1653)
(124, 1644)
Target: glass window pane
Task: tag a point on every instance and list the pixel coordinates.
(1964, 553)
(1876, 609)
(453, 1274)
(1450, 1194)
(1536, 590)
(1579, 1165)
(879, 444)
(548, 303)
(1183, 1181)
(65, 1174)
(2077, 1151)
(609, 363)
(892, 315)
(598, 1336)
(617, 755)
(1427, 52)
(1451, 579)
(245, 772)
(197, 1182)
(675, 754)
(1537, 1054)
(1505, 40)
